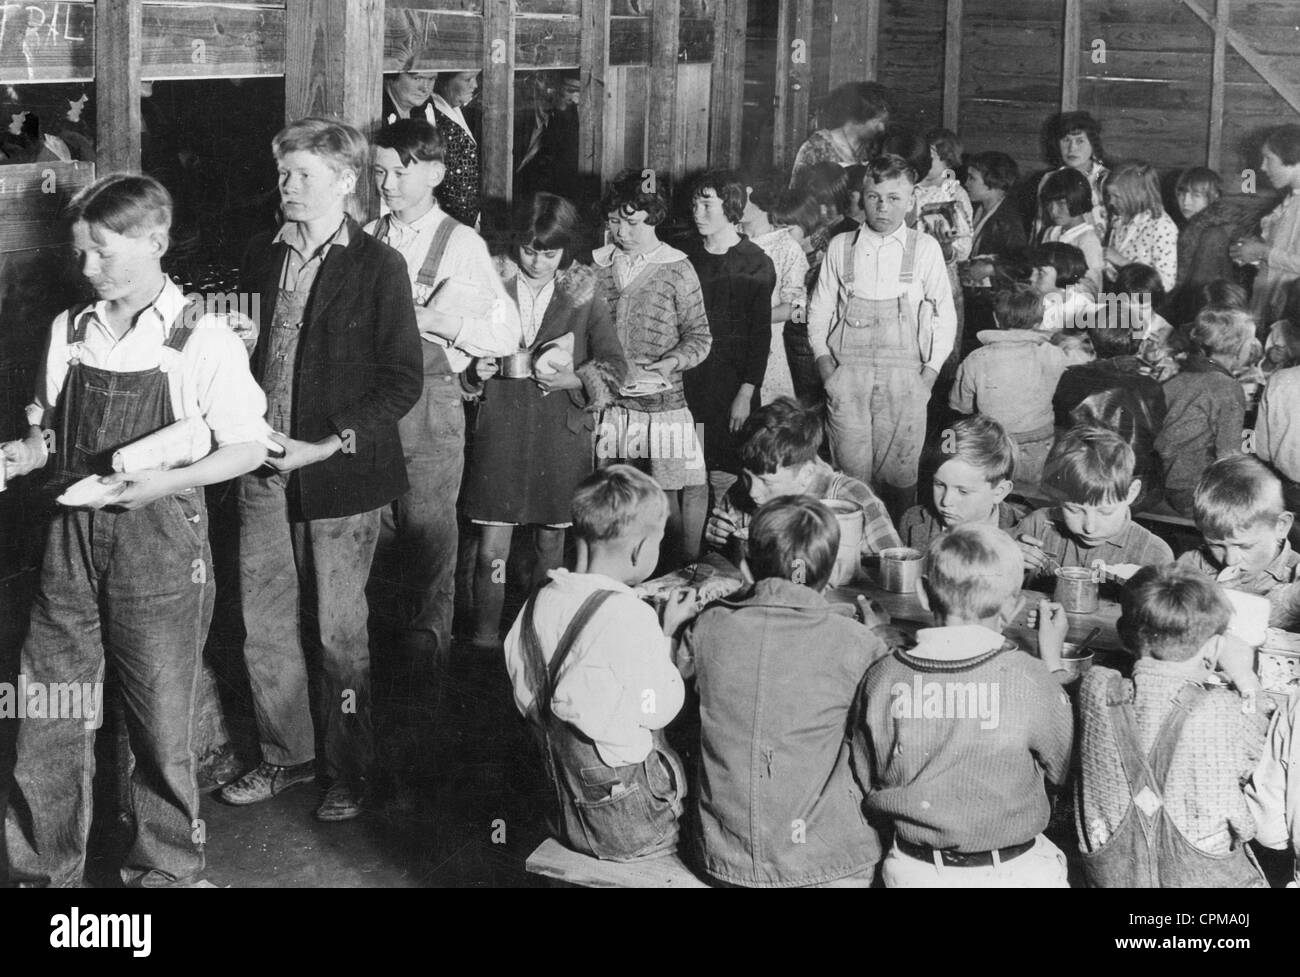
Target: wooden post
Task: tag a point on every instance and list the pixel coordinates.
(952, 64)
(782, 154)
(117, 85)
(333, 67)
(854, 26)
(497, 162)
(800, 47)
(593, 58)
(727, 95)
(1070, 40)
(1214, 147)
(871, 58)
(665, 24)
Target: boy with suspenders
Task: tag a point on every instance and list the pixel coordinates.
(881, 322)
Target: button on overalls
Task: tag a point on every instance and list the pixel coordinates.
(133, 587)
(876, 399)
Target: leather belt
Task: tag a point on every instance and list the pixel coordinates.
(962, 859)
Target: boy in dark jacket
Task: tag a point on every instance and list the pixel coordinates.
(338, 355)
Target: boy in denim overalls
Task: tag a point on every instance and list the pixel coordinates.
(881, 322)
(126, 580)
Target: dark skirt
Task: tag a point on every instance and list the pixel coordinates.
(526, 460)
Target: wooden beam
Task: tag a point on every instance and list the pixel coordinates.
(855, 25)
(782, 152)
(952, 64)
(593, 59)
(1071, 38)
(801, 82)
(497, 163)
(117, 85)
(665, 22)
(727, 95)
(1214, 143)
(1289, 92)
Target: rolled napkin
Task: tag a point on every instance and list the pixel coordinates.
(174, 446)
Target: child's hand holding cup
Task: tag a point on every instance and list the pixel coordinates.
(1053, 625)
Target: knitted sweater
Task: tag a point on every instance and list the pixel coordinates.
(956, 750)
(660, 312)
(1216, 752)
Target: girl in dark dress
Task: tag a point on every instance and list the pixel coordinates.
(737, 278)
(533, 436)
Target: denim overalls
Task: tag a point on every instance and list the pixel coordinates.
(616, 813)
(135, 585)
(1147, 850)
(876, 398)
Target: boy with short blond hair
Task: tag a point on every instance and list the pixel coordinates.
(959, 736)
(591, 669)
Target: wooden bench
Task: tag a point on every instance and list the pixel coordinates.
(554, 861)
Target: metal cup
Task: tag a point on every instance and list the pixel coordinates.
(1076, 589)
(518, 365)
(900, 569)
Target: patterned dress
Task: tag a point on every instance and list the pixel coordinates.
(459, 191)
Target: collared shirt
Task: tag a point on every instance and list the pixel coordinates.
(209, 378)
(619, 681)
(1277, 581)
(452, 112)
(532, 306)
(628, 266)
(465, 260)
(1273, 792)
(1132, 544)
(920, 525)
(877, 263)
(300, 268)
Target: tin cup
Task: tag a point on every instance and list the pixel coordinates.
(849, 556)
(900, 569)
(1074, 664)
(1076, 589)
(517, 365)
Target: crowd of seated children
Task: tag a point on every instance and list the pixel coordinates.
(591, 669)
(1140, 230)
(1163, 756)
(776, 668)
(1206, 405)
(1243, 520)
(966, 790)
(1012, 378)
(780, 447)
(973, 463)
(1067, 201)
(1090, 472)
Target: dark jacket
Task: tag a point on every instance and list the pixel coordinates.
(1003, 234)
(359, 370)
(1203, 248)
(777, 668)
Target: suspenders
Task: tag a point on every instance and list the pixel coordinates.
(905, 273)
(427, 275)
(177, 335)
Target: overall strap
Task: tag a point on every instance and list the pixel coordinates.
(1134, 761)
(850, 242)
(906, 271)
(76, 334)
(428, 273)
(549, 675)
(182, 328)
(1162, 753)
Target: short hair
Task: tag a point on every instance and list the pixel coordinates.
(340, 145)
(890, 167)
(1223, 294)
(1069, 262)
(1018, 307)
(1168, 612)
(547, 222)
(1069, 185)
(854, 175)
(793, 537)
(616, 501)
(855, 101)
(1139, 279)
(124, 203)
(1089, 466)
(798, 209)
(909, 144)
(979, 441)
(827, 184)
(971, 571)
(413, 140)
(764, 189)
(627, 194)
(1072, 339)
(1234, 493)
(1109, 342)
(728, 187)
(1067, 124)
(1200, 179)
(1223, 332)
(946, 146)
(1134, 187)
(1284, 141)
(778, 435)
(998, 170)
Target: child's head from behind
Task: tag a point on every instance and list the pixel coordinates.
(945, 151)
(1196, 189)
(319, 162)
(1226, 335)
(973, 466)
(619, 515)
(973, 575)
(1018, 307)
(1239, 510)
(887, 192)
(1090, 472)
(793, 537)
(827, 184)
(1169, 612)
(778, 449)
(1056, 266)
(120, 231)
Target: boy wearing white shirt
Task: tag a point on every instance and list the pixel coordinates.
(408, 167)
(131, 582)
(881, 322)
